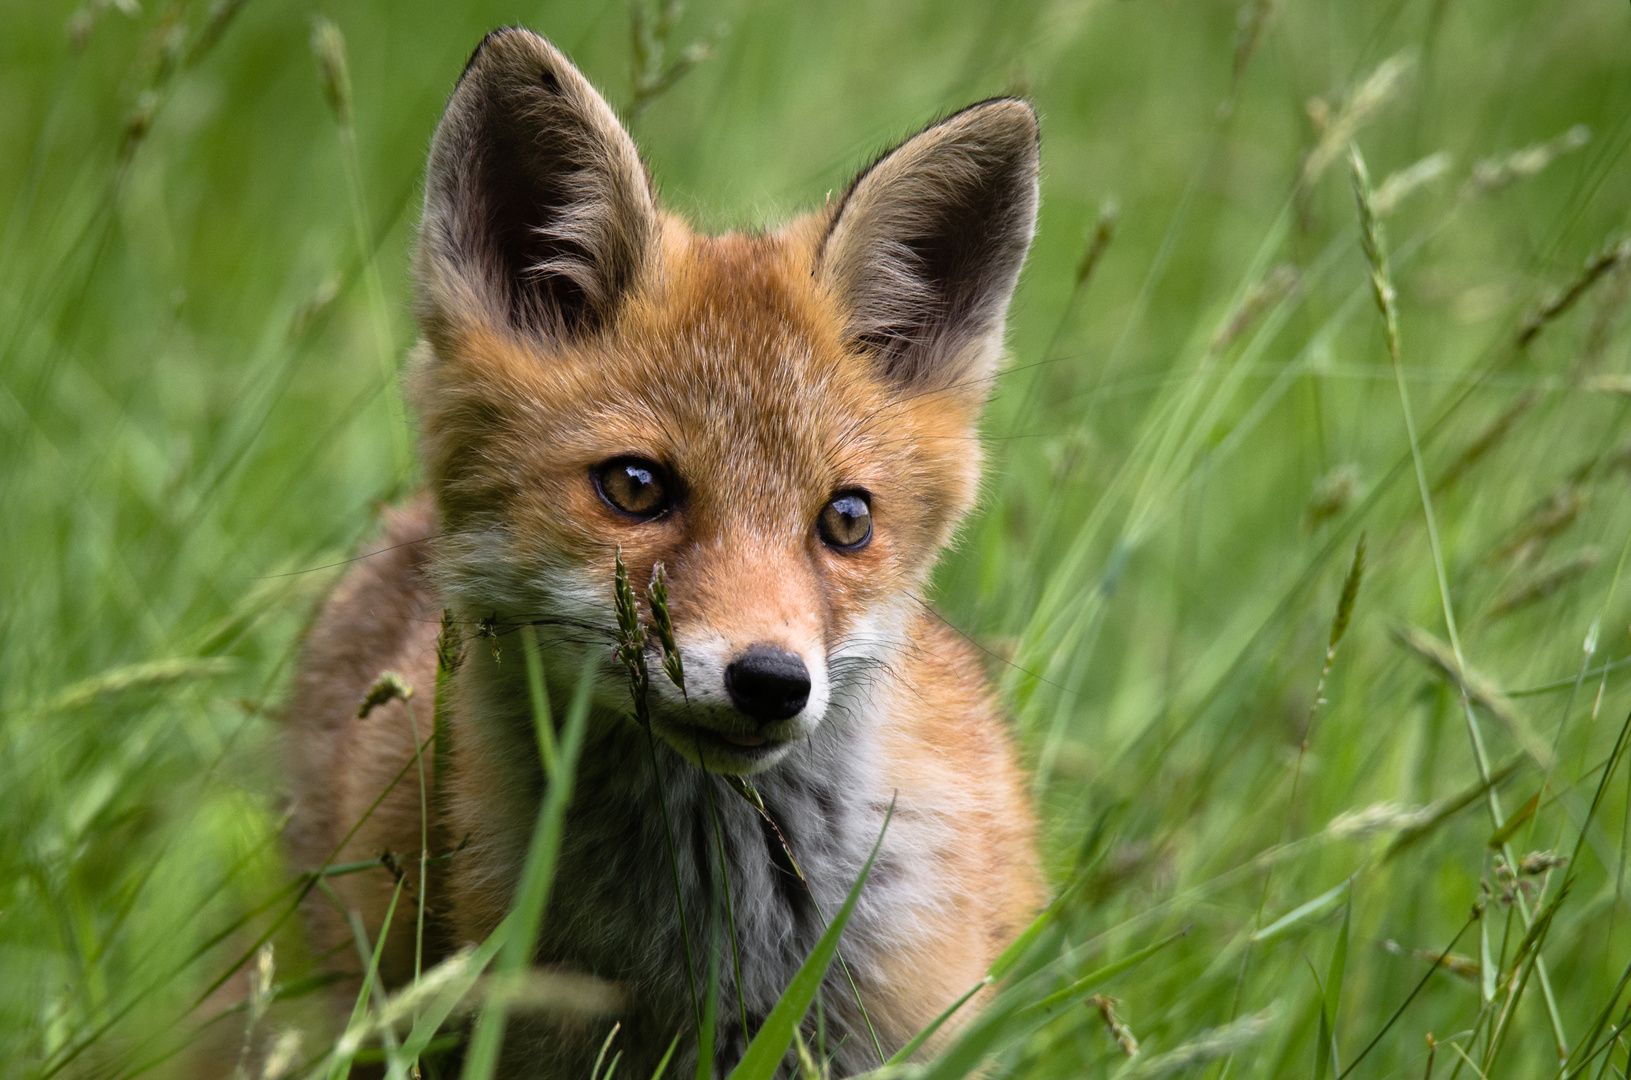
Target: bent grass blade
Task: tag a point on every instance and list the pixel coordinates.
(764, 1055)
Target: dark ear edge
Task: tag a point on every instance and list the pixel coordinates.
(926, 245)
(539, 214)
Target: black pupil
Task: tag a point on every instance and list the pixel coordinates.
(848, 520)
(635, 487)
(639, 477)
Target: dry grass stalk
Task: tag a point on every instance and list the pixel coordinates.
(1485, 441)
(284, 1054)
(1547, 582)
(1608, 384)
(1119, 1030)
(1379, 818)
(1434, 815)
(1541, 526)
(1607, 258)
(651, 26)
(1441, 659)
(1209, 1045)
(1611, 305)
(1251, 21)
(1281, 283)
(262, 981)
(1465, 967)
(456, 972)
(539, 990)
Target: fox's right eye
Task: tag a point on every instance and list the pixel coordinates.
(638, 487)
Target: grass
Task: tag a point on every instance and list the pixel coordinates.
(204, 237)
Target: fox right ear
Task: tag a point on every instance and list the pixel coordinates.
(926, 246)
(538, 212)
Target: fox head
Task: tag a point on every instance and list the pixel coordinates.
(785, 421)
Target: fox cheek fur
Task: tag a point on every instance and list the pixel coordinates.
(755, 379)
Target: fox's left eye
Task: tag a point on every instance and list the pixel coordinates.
(638, 487)
(846, 522)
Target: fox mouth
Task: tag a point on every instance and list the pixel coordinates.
(722, 751)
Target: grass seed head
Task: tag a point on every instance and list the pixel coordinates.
(1495, 173)
(1485, 441)
(285, 1054)
(663, 622)
(1250, 22)
(1336, 130)
(1350, 593)
(1402, 184)
(1098, 239)
(1119, 1030)
(328, 47)
(1209, 1045)
(390, 686)
(1464, 967)
(1282, 282)
(1333, 493)
(1605, 260)
(1541, 862)
(631, 638)
(1542, 524)
(1374, 245)
(1378, 819)
(1547, 582)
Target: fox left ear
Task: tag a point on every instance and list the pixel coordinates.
(926, 246)
(538, 213)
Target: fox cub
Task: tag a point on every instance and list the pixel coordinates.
(786, 422)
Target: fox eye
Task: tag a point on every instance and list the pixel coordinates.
(846, 522)
(638, 487)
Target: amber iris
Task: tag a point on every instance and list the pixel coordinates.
(637, 487)
(846, 522)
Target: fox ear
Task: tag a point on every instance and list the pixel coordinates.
(926, 246)
(538, 212)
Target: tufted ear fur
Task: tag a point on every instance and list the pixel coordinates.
(926, 246)
(538, 212)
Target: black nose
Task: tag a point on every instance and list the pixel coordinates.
(768, 683)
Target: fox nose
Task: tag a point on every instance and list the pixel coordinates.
(768, 683)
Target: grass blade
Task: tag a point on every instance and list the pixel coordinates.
(1322, 903)
(537, 876)
(764, 1055)
(1094, 979)
(1325, 1054)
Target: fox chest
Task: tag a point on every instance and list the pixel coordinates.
(672, 887)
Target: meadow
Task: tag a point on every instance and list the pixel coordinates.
(1312, 281)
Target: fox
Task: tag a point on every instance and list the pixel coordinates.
(786, 421)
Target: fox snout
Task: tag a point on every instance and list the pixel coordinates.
(768, 683)
(751, 692)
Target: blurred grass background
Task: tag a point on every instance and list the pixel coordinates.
(203, 277)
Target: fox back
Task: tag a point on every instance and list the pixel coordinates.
(784, 421)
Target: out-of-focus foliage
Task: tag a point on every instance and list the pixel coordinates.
(204, 303)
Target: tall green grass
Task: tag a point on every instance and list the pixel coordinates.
(1400, 852)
